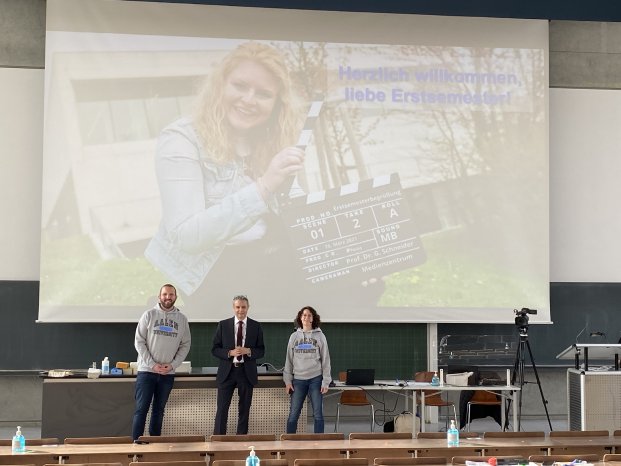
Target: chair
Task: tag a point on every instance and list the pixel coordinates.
(168, 463)
(443, 435)
(331, 462)
(579, 433)
(481, 398)
(433, 397)
(510, 434)
(6, 442)
(243, 438)
(483, 459)
(356, 398)
(98, 440)
(447, 452)
(171, 438)
(89, 464)
(409, 461)
(310, 436)
(521, 450)
(270, 462)
(612, 456)
(563, 458)
(379, 435)
(574, 446)
(617, 433)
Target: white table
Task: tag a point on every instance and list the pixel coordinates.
(409, 389)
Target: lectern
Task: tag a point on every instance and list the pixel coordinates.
(600, 351)
(593, 395)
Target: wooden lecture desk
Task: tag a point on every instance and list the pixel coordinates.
(104, 407)
(291, 450)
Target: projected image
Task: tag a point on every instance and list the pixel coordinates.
(351, 176)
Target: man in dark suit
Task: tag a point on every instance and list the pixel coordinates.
(238, 343)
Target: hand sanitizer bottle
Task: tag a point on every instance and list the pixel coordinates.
(452, 435)
(105, 366)
(18, 445)
(435, 380)
(252, 459)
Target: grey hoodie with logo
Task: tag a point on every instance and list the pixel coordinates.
(162, 337)
(307, 357)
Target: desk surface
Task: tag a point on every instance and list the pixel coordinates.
(336, 445)
(415, 386)
(595, 350)
(288, 449)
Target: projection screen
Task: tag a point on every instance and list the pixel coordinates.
(419, 146)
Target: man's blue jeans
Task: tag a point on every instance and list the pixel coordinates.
(302, 388)
(151, 387)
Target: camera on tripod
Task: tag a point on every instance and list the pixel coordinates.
(521, 316)
(521, 321)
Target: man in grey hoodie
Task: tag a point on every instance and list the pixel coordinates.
(307, 368)
(162, 341)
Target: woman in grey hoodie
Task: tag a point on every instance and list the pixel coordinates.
(307, 368)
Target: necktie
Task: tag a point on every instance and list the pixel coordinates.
(240, 333)
(240, 338)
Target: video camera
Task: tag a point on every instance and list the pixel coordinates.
(521, 316)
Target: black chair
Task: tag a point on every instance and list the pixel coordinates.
(477, 410)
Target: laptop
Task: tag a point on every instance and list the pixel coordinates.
(360, 377)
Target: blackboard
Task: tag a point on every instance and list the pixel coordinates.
(27, 345)
(577, 310)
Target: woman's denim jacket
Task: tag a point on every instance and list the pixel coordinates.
(205, 206)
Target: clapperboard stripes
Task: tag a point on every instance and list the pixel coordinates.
(354, 232)
(351, 188)
(309, 124)
(303, 141)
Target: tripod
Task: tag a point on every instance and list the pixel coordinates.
(517, 378)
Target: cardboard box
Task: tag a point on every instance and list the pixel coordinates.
(459, 380)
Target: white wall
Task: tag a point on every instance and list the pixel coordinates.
(21, 142)
(585, 185)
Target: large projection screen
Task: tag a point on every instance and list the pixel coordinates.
(422, 195)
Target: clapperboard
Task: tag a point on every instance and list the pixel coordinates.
(353, 233)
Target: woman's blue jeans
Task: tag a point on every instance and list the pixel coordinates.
(302, 388)
(151, 387)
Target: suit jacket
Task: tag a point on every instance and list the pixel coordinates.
(224, 341)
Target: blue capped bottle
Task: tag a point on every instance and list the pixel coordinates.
(252, 459)
(105, 366)
(452, 435)
(18, 445)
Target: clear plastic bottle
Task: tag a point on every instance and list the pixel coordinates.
(105, 366)
(19, 442)
(252, 459)
(435, 380)
(452, 435)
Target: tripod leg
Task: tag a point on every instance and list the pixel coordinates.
(520, 382)
(543, 399)
(517, 378)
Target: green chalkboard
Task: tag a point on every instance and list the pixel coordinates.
(577, 310)
(394, 350)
